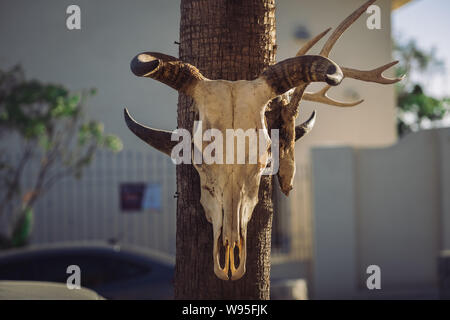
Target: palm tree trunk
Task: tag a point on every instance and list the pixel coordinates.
(232, 40)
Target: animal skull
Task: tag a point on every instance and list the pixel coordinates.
(229, 192)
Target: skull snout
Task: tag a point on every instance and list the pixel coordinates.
(235, 252)
(233, 234)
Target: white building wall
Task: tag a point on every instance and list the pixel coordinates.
(381, 206)
(34, 34)
(334, 258)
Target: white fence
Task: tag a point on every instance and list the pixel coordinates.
(88, 209)
(292, 229)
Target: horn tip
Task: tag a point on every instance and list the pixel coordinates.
(126, 113)
(312, 120)
(143, 64)
(128, 119)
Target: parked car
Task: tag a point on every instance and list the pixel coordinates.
(114, 272)
(37, 290)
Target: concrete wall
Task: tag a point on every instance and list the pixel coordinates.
(34, 34)
(381, 206)
(334, 260)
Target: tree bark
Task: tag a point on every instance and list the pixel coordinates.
(232, 40)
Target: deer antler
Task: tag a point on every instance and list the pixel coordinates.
(290, 110)
(311, 43)
(375, 75)
(322, 97)
(342, 27)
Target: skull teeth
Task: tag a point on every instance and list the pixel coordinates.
(240, 271)
(236, 273)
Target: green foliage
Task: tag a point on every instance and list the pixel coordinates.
(22, 228)
(415, 106)
(49, 120)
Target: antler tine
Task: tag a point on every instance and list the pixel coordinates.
(322, 97)
(342, 27)
(375, 75)
(303, 50)
(297, 94)
(296, 98)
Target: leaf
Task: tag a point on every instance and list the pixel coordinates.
(96, 129)
(412, 96)
(113, 143)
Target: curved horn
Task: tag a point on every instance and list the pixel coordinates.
(291, 73)
(167, 69)
(304, 128)
(158, 139)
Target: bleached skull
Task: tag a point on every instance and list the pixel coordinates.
(229, 190)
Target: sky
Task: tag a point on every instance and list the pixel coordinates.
(428, 22)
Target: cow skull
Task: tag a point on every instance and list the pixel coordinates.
(229, 191)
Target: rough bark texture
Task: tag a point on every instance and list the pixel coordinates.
(232, 40)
